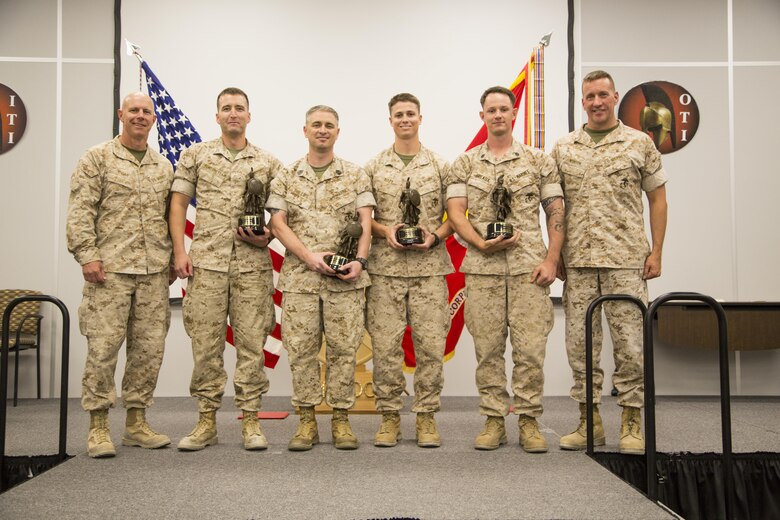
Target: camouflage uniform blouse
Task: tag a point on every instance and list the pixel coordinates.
(603, 186)
(531, 177)
(117, 210)
(388, 175)
(217, 180)
(318, 210)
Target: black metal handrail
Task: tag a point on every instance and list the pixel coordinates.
(725, 395)
(62, 455)
(649, 377)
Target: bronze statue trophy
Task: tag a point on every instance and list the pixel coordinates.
(253, 218)
(348, 244)
(501, 197)
(410, 203)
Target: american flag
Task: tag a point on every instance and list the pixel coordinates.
(175, 134)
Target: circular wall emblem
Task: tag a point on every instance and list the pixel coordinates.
(665, 111)
(13, 118)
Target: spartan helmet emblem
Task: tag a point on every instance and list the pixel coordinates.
(656, 116)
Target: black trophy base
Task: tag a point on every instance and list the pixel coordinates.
(409, 235)
(496, 229)
(336, 262)
(253, 223)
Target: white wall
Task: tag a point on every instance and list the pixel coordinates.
(354, 55)
(721, 239)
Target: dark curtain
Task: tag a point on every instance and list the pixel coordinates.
(20, 469)
(691, 484)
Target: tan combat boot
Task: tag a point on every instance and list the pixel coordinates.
(204, 434)
(427, 434)
(306, 435)
(578, 439)
(254, 439)
(343, 437)
(493, 434)
(389, 430)
(632, 442)
(531, 439)
(139, 433)
(99, 443)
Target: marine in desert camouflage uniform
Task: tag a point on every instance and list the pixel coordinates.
(116, 230)
(408, 285)
(229, 270)
(311, 205)
(604, 167)
(507, 279)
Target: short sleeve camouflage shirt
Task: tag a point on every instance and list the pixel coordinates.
(427, 172)
(603, 186)
(318, 209)
(530, 176)
(217, 180)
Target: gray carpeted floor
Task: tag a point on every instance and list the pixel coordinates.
(454, 481)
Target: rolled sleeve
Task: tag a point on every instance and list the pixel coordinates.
(654, 181)
(185, 178)
(365, 199)
(551, 190)
(457, 190)
(276, 202)
(277, 199)
(183, 186)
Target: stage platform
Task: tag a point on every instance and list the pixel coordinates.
(454, 481)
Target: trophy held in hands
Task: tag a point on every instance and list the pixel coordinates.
(254, 199)
(410, 203)
(347, 250)
(501, 197)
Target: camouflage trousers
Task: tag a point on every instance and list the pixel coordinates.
(247, 299)
(125, 306)
(391, 304)
(340, 315)
(495, 306)
(582, 286)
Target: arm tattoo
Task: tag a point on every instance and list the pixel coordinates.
(555, 219)
(546, 202)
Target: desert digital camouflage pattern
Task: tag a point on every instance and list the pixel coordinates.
(531, 177)
(247, 298)
(423, 301)
(496, 305)
(582, 286)
(116, 215)
(117, 210)
(603, 186)
(208, 172)
(106, 318)
(318, 210)
(388, 175)
(306, 316)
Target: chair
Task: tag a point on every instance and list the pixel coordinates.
(24, 331)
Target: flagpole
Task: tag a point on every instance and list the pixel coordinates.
(539, 118)
(133, 50)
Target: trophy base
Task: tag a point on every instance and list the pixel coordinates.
(409, 235)
(253, 223)
(496, 229)
(336, 262)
